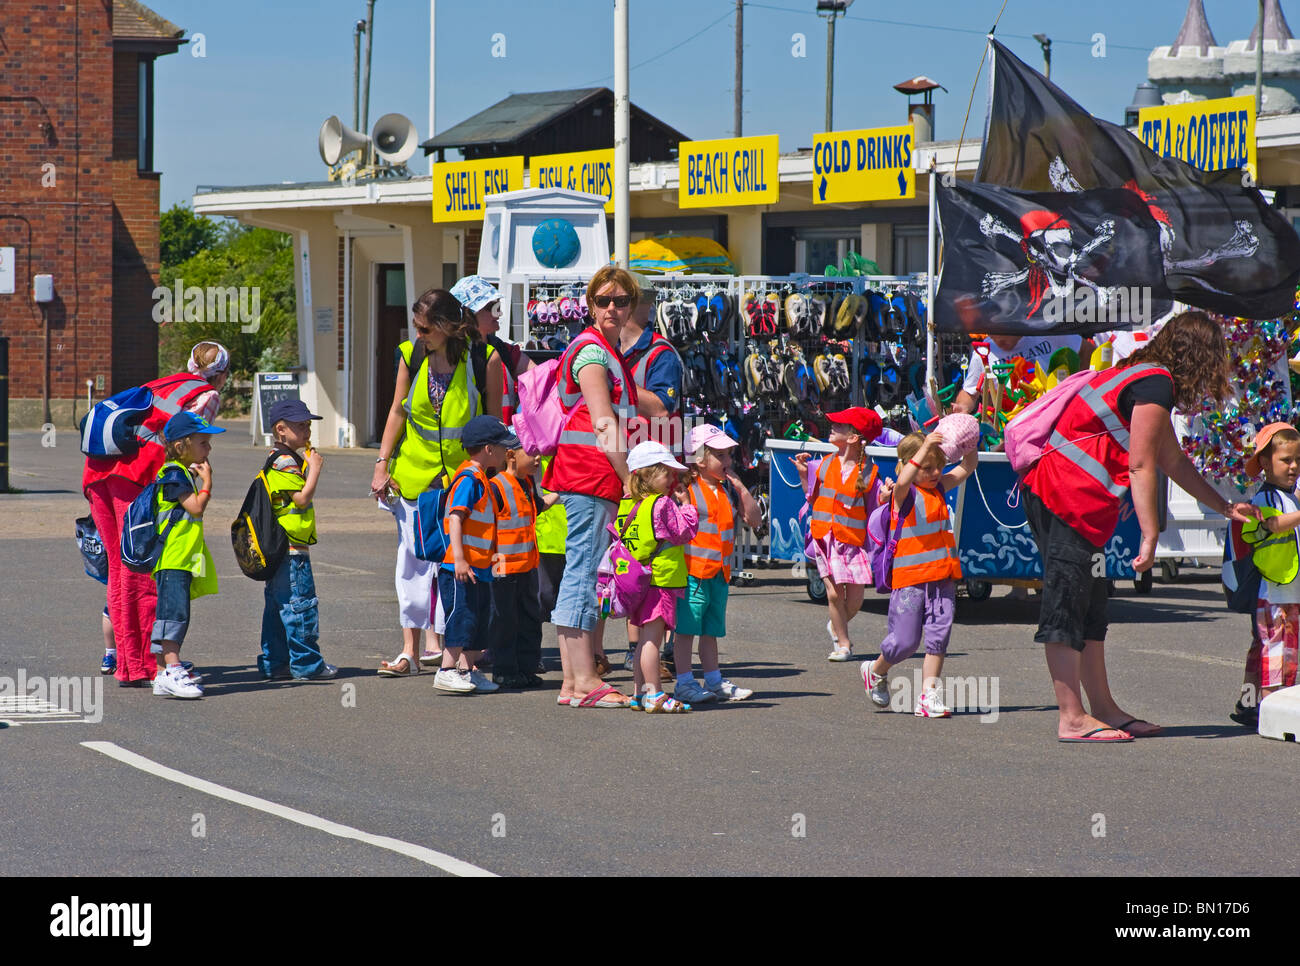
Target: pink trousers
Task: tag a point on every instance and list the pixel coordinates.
(132, 597)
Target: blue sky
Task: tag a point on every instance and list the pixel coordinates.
(248, 112)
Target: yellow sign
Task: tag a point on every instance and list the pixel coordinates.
(870, 165)
(732, 171)
(460, 186)
(589, 171)
(1210, 135)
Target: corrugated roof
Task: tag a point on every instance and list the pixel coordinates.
(134, 21)
(514, 117)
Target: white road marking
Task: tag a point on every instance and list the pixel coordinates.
(1202, 659)
(442, 861)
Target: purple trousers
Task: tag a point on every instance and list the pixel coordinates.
(923, 610)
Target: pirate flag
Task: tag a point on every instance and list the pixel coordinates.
(1222, 247)
(1025, 263)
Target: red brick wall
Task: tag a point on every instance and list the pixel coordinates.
(56, 76)
(473, 239)
(135, 237)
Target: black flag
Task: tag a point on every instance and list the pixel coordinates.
(1023, 263)
(1223, 248)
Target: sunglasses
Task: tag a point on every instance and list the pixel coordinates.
(619, 301)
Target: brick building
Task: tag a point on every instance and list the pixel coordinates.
(79, 198)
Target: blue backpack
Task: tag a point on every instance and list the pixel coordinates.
(430, 509)
(142, 544)
(111, 427)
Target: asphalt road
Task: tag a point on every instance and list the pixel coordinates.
(806, 778)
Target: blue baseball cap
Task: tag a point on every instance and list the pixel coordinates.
(291, 411)
(187, 424)
(484, 430)
(474, 292)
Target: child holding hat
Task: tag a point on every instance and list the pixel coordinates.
(715, 493)
(847, 490)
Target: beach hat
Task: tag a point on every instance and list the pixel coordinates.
(866, 421)
(1261, 440)
(474, 292)
(710, 436)
(187, 424)
(961, 435)
(651, 453)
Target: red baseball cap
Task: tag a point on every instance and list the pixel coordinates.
(1261, 440)
(865, 421)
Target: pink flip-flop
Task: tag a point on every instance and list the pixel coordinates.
(599, 698)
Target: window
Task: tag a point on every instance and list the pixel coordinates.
(144, 114)
(909, 249)
(815, 249)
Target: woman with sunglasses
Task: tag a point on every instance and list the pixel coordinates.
(589, 472)
(421, 446)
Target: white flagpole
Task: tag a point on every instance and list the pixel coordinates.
(930, 383)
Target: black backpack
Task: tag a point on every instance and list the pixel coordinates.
(259, 541)
(477, 358)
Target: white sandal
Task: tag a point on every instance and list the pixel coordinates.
(389, 669)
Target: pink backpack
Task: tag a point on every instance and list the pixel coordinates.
(621, 580)
(1028, 433)
(541, 416)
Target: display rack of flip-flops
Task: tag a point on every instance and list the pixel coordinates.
(551, 311)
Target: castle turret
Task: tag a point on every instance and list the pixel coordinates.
(1281, 82)
(1191, 68)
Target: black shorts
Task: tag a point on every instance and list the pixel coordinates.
(1074, 600)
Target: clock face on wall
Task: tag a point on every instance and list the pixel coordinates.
(555, 243)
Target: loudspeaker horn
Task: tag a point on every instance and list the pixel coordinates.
(394, 137)
(337, 139)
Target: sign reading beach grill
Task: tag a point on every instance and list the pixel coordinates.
(868, 165)
(589, 171)
(459, 187)
(731, 171)
(1210, 135)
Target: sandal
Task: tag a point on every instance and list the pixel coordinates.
(431, 658)
(605, 696)
(661, 703)
(401, 666)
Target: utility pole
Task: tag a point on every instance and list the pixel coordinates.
(1259, 62)
(832, 9)
(370, 43)
(357, 31)
(621, 131)
(1045, 42)
(739, 98)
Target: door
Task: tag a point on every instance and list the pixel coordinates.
(391, 330)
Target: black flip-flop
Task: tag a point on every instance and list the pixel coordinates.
(1088, 739)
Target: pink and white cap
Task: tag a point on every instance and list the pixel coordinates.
(710, 436)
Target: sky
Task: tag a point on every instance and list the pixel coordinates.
(248, 111)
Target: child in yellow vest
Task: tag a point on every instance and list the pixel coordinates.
(291, 614)
(470, 525)
(655, 528)
(846, 490)
(926, 569)
(703, 611)
(515, 620)
(185, 569)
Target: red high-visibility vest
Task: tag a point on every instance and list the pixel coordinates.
(838, 508)
(927, 549)
(516, 523)
(580, 465)
(709, 552)
(1083, 472)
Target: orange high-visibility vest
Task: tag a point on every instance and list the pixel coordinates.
(478, 531)
(516, 527)
(927, 548)
(709, 553)
(838, 508)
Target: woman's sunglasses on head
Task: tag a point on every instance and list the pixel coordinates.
(619, 301)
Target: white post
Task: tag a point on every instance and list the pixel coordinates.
(930, 384)
(348, 431)
(433, 22)
(621, 129)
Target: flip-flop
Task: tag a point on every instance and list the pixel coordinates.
(1133, 721)
(1087, 738)
(599, 698)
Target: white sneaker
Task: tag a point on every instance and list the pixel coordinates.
(877, 685)
(482, 682)
(453, 681)
(930, 705)
(176, 684)
(726, 691)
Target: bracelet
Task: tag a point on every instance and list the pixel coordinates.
(204, 490)
(383, 459)
(914, 463)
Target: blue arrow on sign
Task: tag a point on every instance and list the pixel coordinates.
(902, 183)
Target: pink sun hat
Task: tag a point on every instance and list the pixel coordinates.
(710, 436)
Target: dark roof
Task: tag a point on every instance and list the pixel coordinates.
(519, 115)
(1195, 31)
(136, 27)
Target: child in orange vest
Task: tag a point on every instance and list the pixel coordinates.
(515, 622)
(470, 524)
(926, 569)
(712, 490)
(847, 489)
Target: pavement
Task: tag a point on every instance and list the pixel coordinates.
(371, 776)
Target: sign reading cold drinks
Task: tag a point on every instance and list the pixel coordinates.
(874, 164)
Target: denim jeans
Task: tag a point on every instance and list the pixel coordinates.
(585, 544)
(290, 621)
